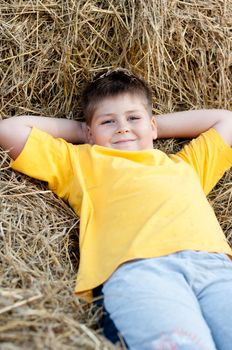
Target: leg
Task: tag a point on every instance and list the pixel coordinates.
(106, 324)
(154, 308)
(216, 303)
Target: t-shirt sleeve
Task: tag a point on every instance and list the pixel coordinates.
(48, 159)
(210, 156)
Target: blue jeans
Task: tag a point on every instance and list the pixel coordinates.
(182, 301)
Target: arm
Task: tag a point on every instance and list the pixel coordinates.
(190, 124)
(15, 131)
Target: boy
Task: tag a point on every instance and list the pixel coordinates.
(148, 236)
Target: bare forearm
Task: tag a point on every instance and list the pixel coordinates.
(192, 123)
(15, 131)
(70, 130)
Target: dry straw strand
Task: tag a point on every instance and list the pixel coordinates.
(49, 49)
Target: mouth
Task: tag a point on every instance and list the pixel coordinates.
(123, 141)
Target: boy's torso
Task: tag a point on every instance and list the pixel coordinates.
(132, 204)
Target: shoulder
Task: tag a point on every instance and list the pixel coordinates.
(206, 145)
(41, 148)
(209, 156)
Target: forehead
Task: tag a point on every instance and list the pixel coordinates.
(121, 104)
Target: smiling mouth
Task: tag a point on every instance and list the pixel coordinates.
(123, 141)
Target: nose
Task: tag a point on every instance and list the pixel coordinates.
(122, 131)
(123, 128)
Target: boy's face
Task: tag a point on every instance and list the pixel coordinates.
(123, 122)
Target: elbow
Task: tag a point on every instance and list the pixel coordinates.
(224, 125)
(13, 136)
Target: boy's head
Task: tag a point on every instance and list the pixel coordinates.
(118, 111)
(113, 83)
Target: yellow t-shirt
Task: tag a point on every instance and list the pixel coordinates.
(132, 204)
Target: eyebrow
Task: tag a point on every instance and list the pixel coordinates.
(112, 114)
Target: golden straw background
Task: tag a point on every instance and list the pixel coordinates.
(49, 49)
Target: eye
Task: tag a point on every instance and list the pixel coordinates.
(109, 121)
(133, 117)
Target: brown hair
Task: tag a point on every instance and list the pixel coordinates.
(113, 83)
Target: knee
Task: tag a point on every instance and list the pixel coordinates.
(178, 340)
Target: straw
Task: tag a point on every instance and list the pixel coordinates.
(49, 49)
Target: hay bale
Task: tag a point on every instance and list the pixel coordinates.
(48, 50)
(38, 264)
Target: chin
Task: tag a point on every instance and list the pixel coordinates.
(126, 147)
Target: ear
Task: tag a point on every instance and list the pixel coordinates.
(154, 127)
(89, 134)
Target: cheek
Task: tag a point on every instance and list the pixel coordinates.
(100, 136)
(145, 128)
(147, 134)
